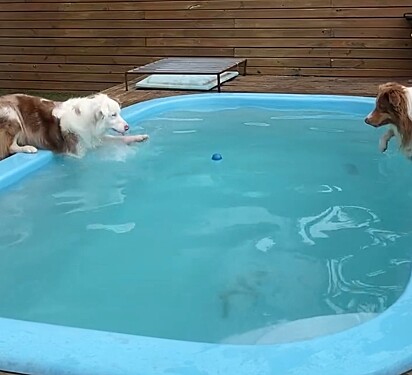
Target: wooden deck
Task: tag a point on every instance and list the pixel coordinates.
(267, 84)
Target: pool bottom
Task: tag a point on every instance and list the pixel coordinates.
(382, 345)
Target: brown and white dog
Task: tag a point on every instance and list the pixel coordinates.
(70, 127)
(394, 107)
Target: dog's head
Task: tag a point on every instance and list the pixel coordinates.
(391, 106)
(108, 115)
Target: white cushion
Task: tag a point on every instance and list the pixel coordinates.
(184, 82)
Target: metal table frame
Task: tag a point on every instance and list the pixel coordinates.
(190, 65)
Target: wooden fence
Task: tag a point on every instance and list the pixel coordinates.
(85, 45)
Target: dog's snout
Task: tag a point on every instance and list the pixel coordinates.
(126, 127)
(367, 120)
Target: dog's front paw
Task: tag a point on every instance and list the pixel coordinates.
(383, 146)
(29, 149)
(136, 138)
(141, 138)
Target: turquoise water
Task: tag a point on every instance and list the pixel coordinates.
(303, 217)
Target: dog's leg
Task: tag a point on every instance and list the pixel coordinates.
(383, 142)
(6, 139)
(15, 148)
(127, 139)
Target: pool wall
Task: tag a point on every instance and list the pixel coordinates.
(18, 166)
(381, 346)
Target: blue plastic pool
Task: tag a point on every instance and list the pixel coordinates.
(289, 255)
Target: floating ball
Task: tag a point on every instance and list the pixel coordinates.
(217, 157)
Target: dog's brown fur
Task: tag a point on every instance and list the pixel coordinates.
(391, 108)
(34, 125)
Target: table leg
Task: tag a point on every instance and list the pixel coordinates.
(244, 67)
(218, 83)
(125, 81)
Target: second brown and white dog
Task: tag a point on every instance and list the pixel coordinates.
(394, 108)
(28, 123)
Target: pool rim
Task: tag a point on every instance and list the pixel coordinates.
(382, 345)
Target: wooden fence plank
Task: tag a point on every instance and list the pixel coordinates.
(170, 5)
(68, 42)
(379, 12)
(281, 42)
(103, 15)
(366, 22)
(122, 24)
(118, 51)
(324, 52)
(332, 72)
(181, 33)
(371, 63)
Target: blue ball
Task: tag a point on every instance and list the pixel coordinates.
(217, 157)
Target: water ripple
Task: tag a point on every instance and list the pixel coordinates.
(327, 130)
(176, 119)
(258, 124)
(184, 131)
(17, 236)
(83, 200)
(332, 219)
(116, 228)
(382, 237)
(339, 284)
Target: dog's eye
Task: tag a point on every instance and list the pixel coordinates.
(114, 114)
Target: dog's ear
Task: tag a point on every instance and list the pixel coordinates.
(77, 110)
(395, 97)
(98, 115)
(101, 112)
(391, 94)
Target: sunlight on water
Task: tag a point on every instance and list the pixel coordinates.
(302, 229)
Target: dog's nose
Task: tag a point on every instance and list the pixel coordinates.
(367, 120)
(126, 128)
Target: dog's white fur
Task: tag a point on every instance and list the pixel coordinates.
(90, 118)
(73, 126)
